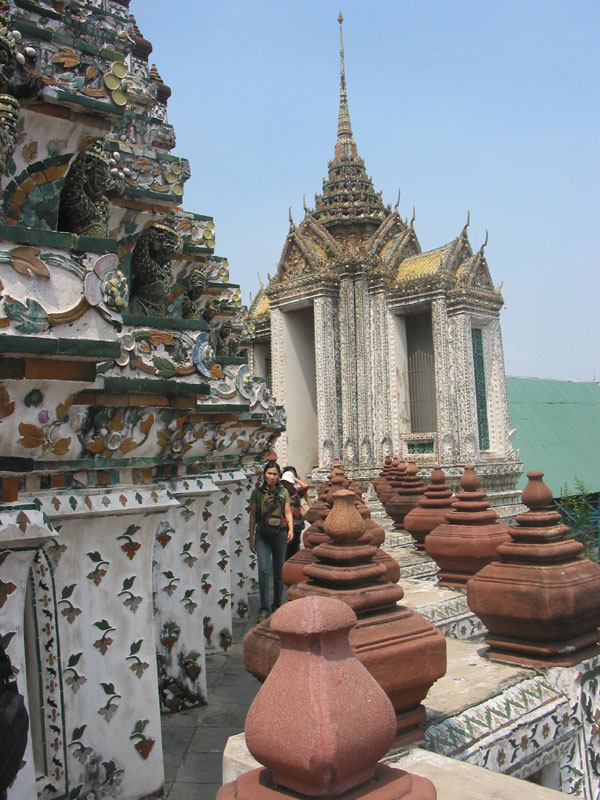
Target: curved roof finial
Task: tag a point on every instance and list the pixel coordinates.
(486, 239)
(397, 202)
(413, 217)
(304, 203)
(290, 216)
(262, 286)
(468, 222)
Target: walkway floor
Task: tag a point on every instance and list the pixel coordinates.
(193, 741)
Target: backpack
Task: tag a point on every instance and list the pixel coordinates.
(271, 511)
(14, 724)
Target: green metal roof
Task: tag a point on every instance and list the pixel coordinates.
(557, 430)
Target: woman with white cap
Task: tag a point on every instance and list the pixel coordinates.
(297, 489)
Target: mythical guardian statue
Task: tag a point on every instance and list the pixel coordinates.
(195, 286)
(227, 344)
(150, 272)
(83, 207)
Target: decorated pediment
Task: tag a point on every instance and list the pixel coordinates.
(390, 229)
(302, 253)
(455, 254)
(402, 246)
(319, 236)
(474, 273)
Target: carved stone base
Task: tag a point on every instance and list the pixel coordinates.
(293, 569)
(546, 654)
(387, 784)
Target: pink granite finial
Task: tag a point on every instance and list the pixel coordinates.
(320, 720)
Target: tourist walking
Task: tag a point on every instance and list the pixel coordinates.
(271, 528)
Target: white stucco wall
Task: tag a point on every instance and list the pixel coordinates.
(298, 343)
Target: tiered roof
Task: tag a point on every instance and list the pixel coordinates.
(348, 195)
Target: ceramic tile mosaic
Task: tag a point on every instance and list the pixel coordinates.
(455, 619)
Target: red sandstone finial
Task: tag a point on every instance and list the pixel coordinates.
(437, 476)
(470, 536)
(536, 495)
(432, 509)
(320, 721)
(540, 602)
(344, 523)
(407, 489)
(470, 481)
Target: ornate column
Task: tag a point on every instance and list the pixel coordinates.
(498, 416)
(348, 374)
(364, 372)
(445, 392)
(466, 408)
(380, 376)
(327, 379)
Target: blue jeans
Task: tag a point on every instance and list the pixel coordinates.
(266, 548)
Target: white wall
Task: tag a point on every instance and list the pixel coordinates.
(300, 395)
(260, 368)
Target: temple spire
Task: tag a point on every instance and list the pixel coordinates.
(344, 127)
(348, 195)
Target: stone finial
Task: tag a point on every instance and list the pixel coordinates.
(408, 491)
(392, 475)
(470, 480)
(344, 523)
(536, 495)
(374, 534)
(541, 601)
(320, 721)
(141, 46)
(470, 536)
(155, 74)
(346, 721)
(163, 92)
(432, 509)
